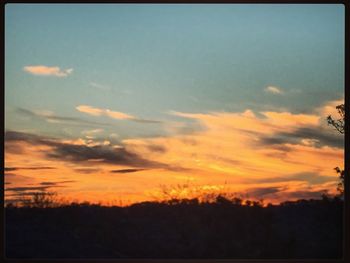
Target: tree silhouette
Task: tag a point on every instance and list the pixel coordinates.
(39, 200)
(339, 125)
(341, 174)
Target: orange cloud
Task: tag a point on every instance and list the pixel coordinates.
(289, 119)
(48, 71)
(230, 149)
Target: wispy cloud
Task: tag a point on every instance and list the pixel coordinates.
(262, 191)
(104, 112)
(49, 116)
(10, 169)
(314, 135)
(87, 170)
(41, 70)
(311, 178)
(273, 90)
(99, 86)
(56, 183)
(29, 188)
(42, 187)
(111, 114)
(123, 171)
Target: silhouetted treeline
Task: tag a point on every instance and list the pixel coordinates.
(178, 229)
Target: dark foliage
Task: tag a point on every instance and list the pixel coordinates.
(339, 125)
(178, 229)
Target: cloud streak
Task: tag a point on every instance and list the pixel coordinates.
(99, 86)
(313, 135)
(42, 70)
(123, 171)
(10, 169)
(87, 170)
(93, 111)
(29, 188)
(52, 118)
(56, 183)
(311, 178)
(262, 191)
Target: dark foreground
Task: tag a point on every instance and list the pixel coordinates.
(186, 229)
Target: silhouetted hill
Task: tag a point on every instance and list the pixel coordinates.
(181, 229)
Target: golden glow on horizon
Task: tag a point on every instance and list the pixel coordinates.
(227, 154)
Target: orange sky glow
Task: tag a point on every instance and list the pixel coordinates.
(256, 155)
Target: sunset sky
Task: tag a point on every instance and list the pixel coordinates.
(106, 103)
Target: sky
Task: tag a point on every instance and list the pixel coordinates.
(113, 102)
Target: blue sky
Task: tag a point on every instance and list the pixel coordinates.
(118, 99)
(147, 60)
